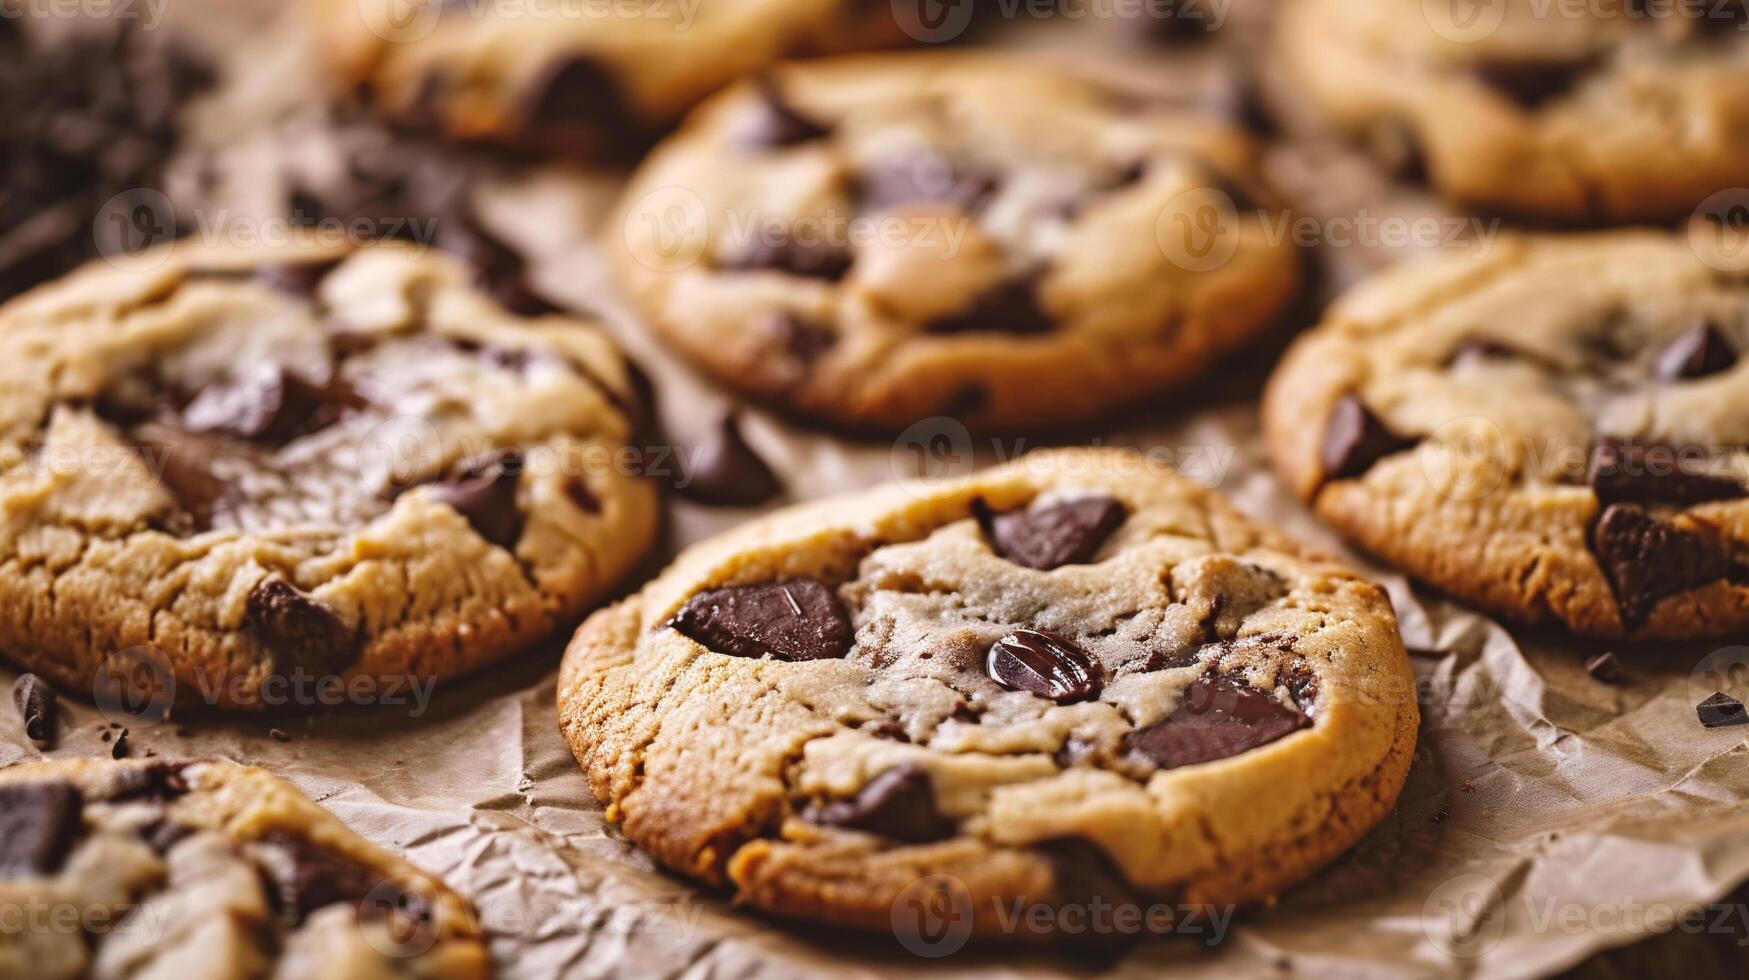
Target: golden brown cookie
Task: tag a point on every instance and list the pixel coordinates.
(1078, 678)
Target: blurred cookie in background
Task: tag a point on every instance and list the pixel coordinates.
(209, 869)
(591, 79)
(1551, 429)
(874, 240)
(1595, 113)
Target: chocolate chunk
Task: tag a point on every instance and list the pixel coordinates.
(183, 463)
(925, 178)
(1622, 471)
(778, 123)
(266, 403)
(1646, 560)
(90, 119)
(1066, 533)
(1043, 664)
(1396, 145)
(37, 708)
(579, 92)
(296, 278)
(898, 804)
(1530, 83)
(726, 472)
(795, 619)
(304, 876)
(1700, 351)
(39, 823)
(1355, 439)
(1218, 718)
(1604, 668)
(498, 268)
(485, 494)
(1010, 307)
(805, 340)
(298, 630)
(770, 251)
(119, 748)
(577, 489)
(1720, 711)
(158, 781)
(162, 833)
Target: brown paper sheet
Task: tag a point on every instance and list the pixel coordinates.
(1547, 817)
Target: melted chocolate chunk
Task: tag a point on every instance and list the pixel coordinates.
(1721, 710)
(1701, 351)
(1066, 533)
(1043, 664)
(485, 494)
(300, 279)
(183, 463)
(162, 833)
(779, 123)
(266, 403)
(769, 252)
(1218, 718)
(37, 708)
(1010, 307)
(299, 631)
(898, 804)
(925, 178)
(1355, 439)
(1531, 83)
(39, 823)
(795, 619)
(1647, 560)
(1622, 471)
(727, 472)
(304, 876)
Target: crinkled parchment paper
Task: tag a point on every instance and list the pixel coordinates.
(1547, 820)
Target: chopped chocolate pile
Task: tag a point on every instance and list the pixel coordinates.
(83, 121)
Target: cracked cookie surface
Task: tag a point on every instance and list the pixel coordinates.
(1611, 111)
(596, 79)
(874, 240)
(1075, 678)
(346, 464)
(208, 869)
(1552, 430)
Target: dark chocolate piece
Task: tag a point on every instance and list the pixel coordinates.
(795, 619)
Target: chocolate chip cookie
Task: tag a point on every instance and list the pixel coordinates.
(1551, 431)
(875, 240)
(208, 869)
(301, 461)
(1078, 678)
(1598, 112)
(592, 78)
